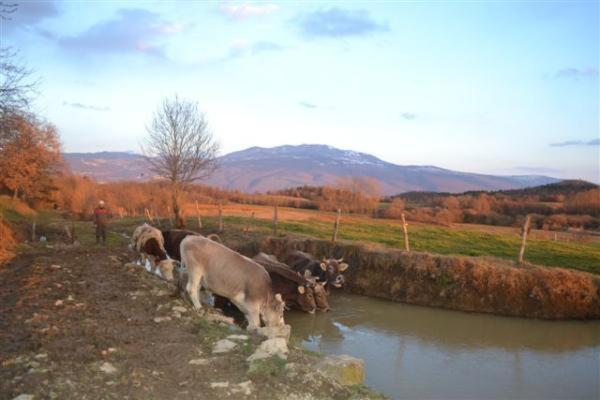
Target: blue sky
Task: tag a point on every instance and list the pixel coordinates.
(478, 86)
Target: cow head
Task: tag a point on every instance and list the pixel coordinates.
(272, 313)
(306, 299)
(166, 268)
(320, 293)
(321, 297)
(333, 269)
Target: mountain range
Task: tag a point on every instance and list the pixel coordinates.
(259, 169)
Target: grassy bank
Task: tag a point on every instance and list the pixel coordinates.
(433, 239)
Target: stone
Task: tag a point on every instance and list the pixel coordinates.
(199, 361)
(108, 368)
(161, 319)
(238, 337)
(344, 369)
(55, 266)
(58, 303)
(244, 387)
(219, 318)
(24, 397)
(222, 385)
(272, 332)
(179, 309)
(269, 348)
(224, 346)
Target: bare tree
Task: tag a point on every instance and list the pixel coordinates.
(17, 85)
(179, 147)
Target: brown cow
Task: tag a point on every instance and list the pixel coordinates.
(224, 272)
(295, 290)
(149, 242)
(328, 271)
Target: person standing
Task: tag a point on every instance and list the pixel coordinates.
(101, 217)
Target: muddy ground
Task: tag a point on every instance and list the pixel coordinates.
(78, 323)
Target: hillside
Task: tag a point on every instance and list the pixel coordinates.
(260, 169)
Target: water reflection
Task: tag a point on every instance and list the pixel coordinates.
(419, 352)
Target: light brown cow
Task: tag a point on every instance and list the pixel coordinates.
(226, 273)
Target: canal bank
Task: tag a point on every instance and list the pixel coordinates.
(459, 283)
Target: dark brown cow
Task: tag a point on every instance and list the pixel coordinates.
(328, 271)
(295, 290)
(173, 238)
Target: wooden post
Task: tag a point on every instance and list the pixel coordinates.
(148, 215)
(524, 232)
(170, 217)
(220, 217)
(247, 229)
(405, 230)
(336, 226)
(33, 231)
(275, 219)
(69, 234)
(198, 216)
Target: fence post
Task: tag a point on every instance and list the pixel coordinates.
(198, 216)
(275, 219)
(249, 222)
(524, 232)
(336, 225)
(405, 230)
(220, 217)
(148, 215)
(33, 231)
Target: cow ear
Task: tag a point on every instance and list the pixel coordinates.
(343, 267)
(324, 266)
(340, 260)
(278, 297)
(301, 289)
(307, 274)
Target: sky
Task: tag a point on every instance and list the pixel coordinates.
(498, 87)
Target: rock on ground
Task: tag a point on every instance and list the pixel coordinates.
(224, 346)
(344, 369)
(269, 348)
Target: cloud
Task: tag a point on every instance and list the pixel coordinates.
(25, 14)
(133, 31)
(85, 106)
(248, 10)
(537, 170)
(593, 142)
(306, 104)
(577, 74)
(408, 116)
(242, 47)
(336, 23)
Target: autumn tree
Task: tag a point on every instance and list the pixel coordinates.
(179, 147)
(29, 156)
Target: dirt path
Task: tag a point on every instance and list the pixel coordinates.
(80, 324)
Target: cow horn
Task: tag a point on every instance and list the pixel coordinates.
(340, 260)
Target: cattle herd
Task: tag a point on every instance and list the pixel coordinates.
(261, 287)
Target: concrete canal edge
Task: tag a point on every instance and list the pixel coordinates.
(475, 284)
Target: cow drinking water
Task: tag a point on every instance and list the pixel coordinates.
(226, 273)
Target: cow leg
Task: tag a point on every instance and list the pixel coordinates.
(193, 287)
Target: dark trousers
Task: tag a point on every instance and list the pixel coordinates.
(100, 233)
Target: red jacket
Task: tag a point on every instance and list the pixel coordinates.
(101, 216)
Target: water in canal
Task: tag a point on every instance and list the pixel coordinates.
(418, 352)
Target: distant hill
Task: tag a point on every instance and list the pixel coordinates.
(260, 169)
(566, 187)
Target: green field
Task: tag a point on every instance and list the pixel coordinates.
(433, 239)
(440, 240)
